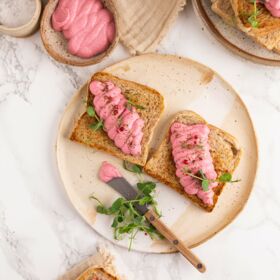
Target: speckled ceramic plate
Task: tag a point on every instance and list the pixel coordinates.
(185, 84)
(232, 38)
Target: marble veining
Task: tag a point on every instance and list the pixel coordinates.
(41, 235)
(16, 75)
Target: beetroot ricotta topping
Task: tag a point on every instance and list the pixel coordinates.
(120, 120)
(191, 154)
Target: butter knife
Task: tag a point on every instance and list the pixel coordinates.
(128, 192)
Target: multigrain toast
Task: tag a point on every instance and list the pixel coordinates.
(267, 23)
(96, 273)
(224, 9)
(224, 149)
(149, 98)
(269, 40)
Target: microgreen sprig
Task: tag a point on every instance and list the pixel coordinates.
(224, 178)
(252, 19)
(99, 123)
(127, 220)
(134, 168)
(130, 104)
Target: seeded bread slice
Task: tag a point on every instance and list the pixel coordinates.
(267, 23)
(224, 149)
(149, 98)
(224, 9)
(93, 273)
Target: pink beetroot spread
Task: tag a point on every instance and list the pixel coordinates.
(86, 24)
(191, 153)
(122, 123)
(274, 7)
(108, 172)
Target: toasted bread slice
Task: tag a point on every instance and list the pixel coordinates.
(98, 273)
(149, 98)
(223, 8)
(224, 149)
(267, 23)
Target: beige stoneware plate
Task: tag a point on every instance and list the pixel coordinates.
(185, 84)
(232, 38)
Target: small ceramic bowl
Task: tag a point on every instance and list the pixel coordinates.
(26, 29)
(56, 44)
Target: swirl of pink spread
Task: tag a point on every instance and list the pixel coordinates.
(191, 152)
(274, 7)
(122, 123)
(108, 172)
(86, 24)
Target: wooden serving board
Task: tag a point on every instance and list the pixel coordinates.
(185, 84)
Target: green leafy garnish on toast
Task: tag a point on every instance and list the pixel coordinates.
(224, 178)
(252, 19)
(98, 124)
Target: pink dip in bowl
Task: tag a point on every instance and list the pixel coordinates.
(88, 26)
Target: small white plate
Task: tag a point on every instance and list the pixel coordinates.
(185, 84)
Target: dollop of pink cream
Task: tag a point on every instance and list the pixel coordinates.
(122, 123)
(273, 6)
(86, 24)
(108, 172)
(191, 151)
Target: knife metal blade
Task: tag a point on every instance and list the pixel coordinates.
(127, 191)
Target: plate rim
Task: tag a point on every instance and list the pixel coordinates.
(76, 94)
(207, 22)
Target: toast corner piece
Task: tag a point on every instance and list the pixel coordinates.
(224, 10)
(96, 273)
(149, 98)
(225, 152)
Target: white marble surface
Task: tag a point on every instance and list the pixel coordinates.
(41, 235)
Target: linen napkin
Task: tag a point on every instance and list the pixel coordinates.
(144, 23)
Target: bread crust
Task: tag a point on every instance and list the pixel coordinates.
(269, 38)
(139, 94)
(224, 149)
(56, 44)
(96, 272)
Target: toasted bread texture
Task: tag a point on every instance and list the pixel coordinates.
(93, 273)
(269, 40)
(266, 22)
(56, 44)
(224, 149)
(224, 9)
(149, 98)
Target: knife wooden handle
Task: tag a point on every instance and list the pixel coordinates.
(154, 219)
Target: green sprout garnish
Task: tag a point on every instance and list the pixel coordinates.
(130, 104)
(224, 178)
(99, 123)
(126, 218)
(252, 19)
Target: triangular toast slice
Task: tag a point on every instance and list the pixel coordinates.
(96, 273)
(224, 9)
(148, 98)
(243, 9)
(224, 149)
